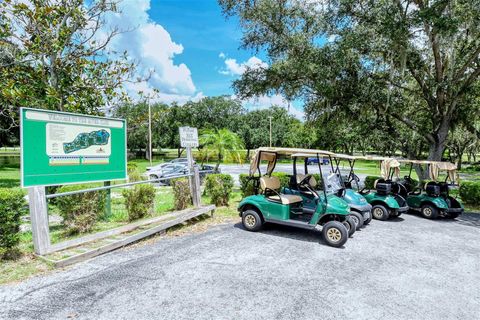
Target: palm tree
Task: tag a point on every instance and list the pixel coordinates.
(224, 143)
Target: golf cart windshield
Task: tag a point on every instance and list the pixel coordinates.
(331, 179)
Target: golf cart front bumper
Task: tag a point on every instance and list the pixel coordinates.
(454, 210)
(364, 210)
(402, 209)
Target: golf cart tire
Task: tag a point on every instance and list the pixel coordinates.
(429, 211)
(350, 225)
(357, 218)
(368, 220)
(334, 234)
(376, 209)
(251, 220)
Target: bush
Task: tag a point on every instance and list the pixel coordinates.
(370, 180)
(139, 200)
(80, 211)
(181, 193)
(131, 167)
(12, 207)
(470, 193)
(246, 185)
(219, 187)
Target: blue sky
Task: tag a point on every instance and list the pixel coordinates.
(188, 47)
(205, 33)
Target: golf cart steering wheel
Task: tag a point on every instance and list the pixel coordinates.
(305, 180)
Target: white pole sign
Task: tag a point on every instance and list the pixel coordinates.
(188, 137)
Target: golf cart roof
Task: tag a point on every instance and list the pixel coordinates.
(372, 158)
(271, 155)
(308, 155)
(348, 156)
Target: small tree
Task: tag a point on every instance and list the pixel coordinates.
(224, 143)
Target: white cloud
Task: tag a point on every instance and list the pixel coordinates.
(152, 47)
(233, 68)
(222, 55)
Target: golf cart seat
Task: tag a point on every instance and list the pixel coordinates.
(382, 186)
(432, 189)
(270, 187)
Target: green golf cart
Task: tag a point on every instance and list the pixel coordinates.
(350, 183)
(433, 200)
(332, 184)
(385, 199)
(271, 204)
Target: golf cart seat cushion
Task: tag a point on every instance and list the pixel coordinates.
(273, 183)
(286, 198)
(312, 182)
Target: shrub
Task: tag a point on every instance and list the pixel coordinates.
(219, 187)
(370, 180)
(181, 193)
(246, 185)
(80, 211)
(470, 193)
(12, 207)
(139, 200)
(131, 167)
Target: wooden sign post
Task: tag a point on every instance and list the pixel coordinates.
(189, 140)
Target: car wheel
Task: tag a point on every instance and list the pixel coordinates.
(357, 218)
(429, 211)
(349, 223)
(251, 220)
(379, 212)
(153, 177)
(334, 233)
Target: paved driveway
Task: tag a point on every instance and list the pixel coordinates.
(409, 268)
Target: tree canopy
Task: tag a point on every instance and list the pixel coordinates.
(407, 64)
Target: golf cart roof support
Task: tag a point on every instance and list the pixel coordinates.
(271, 155)
(435, 167)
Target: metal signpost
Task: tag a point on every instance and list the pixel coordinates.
(189, 140)
(65, 148)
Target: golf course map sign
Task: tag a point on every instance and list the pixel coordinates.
(64, 148)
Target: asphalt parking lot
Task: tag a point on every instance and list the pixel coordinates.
(408, 268)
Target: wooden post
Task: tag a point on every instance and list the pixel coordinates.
(193, 180)
(108, 200)
(39, 219)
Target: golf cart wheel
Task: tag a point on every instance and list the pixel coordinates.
(350, 225)
(379, 212)
(251, 220)
(429, 211)
(367, 221)
(357, 218)
(334, 233)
